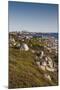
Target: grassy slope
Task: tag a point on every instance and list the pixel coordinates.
(23, 71)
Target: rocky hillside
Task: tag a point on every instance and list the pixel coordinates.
(31, 64)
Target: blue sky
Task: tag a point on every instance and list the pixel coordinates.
(32, 17)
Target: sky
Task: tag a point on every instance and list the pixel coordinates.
(32, 17)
